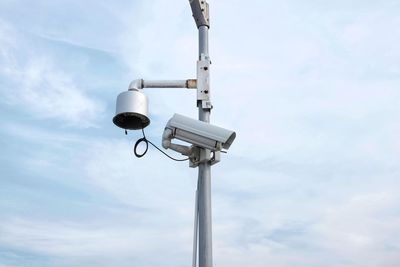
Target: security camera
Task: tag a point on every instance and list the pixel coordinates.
(132, 110)
(197, 133)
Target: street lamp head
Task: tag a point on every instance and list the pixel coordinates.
(131, 110)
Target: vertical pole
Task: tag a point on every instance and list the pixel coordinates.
(204, 182)
(196, 227)
(203, 42)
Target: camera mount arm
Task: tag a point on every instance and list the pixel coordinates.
(141, 84)
(195, 154)
(166, 143)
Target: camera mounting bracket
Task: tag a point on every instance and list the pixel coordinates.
(203, 155)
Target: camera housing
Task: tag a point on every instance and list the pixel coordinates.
(199, 133)
(132, 110)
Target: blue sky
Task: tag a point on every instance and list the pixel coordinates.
(312, 89)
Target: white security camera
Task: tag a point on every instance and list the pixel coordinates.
(197, 133)
(132, 110)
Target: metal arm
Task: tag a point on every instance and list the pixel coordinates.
(140, 84)
(166, 143)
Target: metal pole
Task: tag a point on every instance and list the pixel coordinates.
(204, 182)
(203, 42)
(196, 228)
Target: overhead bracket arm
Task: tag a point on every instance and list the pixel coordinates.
(140, 84)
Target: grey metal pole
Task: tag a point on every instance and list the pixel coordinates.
(204, 182)
(200, 9)
(203, 42)
(196, 228)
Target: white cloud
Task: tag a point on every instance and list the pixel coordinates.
(77, 244)
(359, 231)
(32, 82)
(362, 231)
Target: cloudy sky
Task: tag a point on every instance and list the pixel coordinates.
(312, 89)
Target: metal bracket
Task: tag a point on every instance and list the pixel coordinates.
(136, 84)
(206, 105)
(203, 80)
(195, 154)
(203, 155)
(216, 157)
(201, 13)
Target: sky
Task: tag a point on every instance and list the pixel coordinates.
(312, 89)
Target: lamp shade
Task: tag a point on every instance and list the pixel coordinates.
(131, 110)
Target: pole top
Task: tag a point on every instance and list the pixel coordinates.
(200, 12)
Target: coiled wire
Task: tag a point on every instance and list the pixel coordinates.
(147, 142)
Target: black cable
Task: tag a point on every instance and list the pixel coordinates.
(136, 145)
(144, 139)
